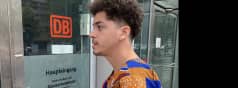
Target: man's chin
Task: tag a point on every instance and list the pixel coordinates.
(97, 53)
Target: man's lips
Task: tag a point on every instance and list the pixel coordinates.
(94, 44)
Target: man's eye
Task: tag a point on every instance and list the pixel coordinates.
(99, 27)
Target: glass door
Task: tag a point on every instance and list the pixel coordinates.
(157, 42)
(56, 43)
(163, 48)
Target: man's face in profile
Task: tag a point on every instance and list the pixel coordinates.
(105, 34)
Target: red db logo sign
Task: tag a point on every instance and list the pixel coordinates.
(60, 26)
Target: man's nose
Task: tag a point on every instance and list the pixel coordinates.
(92, 34)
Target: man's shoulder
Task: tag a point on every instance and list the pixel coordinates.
(141, 79)
(133, 81)
(143, 73)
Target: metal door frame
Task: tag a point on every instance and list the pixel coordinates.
(16, 38)
(92, 59)
(5, 45)
(12, 65)
(176, 69)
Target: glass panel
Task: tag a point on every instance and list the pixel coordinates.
(165, 75)
(163, 38)
(57, 71)
(163, 44)
(145, 4)
(141, 41)
(56, 43)
(36, 22)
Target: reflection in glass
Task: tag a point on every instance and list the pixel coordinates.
(36, 25)
(163, 44)
(44, 69)
(141, 41)
(165, 29)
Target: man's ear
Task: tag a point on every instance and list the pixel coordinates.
(125, 32)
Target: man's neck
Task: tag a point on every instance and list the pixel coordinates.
(120, 56)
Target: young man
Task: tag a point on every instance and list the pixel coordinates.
(116, 23)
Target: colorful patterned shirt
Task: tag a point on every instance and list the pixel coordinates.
(133, 74)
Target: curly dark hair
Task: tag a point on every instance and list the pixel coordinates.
(127, 11)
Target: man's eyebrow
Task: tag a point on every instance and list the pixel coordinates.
(98, 22)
